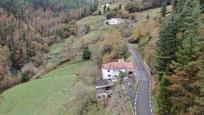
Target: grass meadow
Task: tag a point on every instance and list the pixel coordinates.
(46, 96)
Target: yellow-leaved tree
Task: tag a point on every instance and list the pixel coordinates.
(115, 46)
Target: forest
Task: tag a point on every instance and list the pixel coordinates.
(29, 27)
(179, 60)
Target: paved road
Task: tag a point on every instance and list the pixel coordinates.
(142, 104)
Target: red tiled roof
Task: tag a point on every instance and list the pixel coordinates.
(119, 65)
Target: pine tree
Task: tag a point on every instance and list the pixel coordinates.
(99, 12)
(189, 24)
(120, 7)
(108, 9)
(86, 53)
(166, 47)
(162, 98)
(163, 8)
(104, 8)
(202, 5)
(178, 5)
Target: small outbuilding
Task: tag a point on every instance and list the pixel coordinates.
(104, 89)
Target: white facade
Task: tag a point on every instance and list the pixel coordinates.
(114, 21)
(111, 74)
(112, 70)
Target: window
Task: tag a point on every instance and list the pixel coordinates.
(99, 97)
(108, 70)
(109, 75)
(130, 72)
(108, 88)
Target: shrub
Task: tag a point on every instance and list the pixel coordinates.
(120, 6)
(116, 13)
(25, 77)
(99, 12)
(108, 9)
(131, 7)
(86, 53)
(109, 15)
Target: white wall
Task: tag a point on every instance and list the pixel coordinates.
(111, 74)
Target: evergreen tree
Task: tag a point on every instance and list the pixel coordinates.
(86, 53)
(162, 98)
(94, 6)
(178, 58)
(202, 5)
(108, 9)
(178, 5)
(104, 8)
(166, 47)
(99, 12)
(120, 6)
(163, 8)
(189, 24)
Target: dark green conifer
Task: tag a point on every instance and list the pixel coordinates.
(189, 24)
(120, 6)
(108, 9)
(162, 98)
(86, 53)
(166, 47)
(163, 8)
(99, 12)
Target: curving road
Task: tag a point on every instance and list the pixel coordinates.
(142, 103)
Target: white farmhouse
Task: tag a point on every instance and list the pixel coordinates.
(114, 21)
(112, 70)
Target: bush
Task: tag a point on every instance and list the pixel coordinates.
(109, 15)
(99, 12)
(116, 13)
(120, 6)
(86, 53)
(25, 77)
(131, 7)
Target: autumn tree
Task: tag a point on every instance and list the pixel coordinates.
(5, 61)
(114, 46)
(184, 87)
(185, 67)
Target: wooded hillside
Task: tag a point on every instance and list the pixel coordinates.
(179, 61)
(29, 27)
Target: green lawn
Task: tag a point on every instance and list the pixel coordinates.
(58, 46)
(46, 96)
(152, 12)
(95, 22)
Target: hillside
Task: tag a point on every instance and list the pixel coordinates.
(47, 96)
(29, 28)
(52, 52)
(20, 5)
